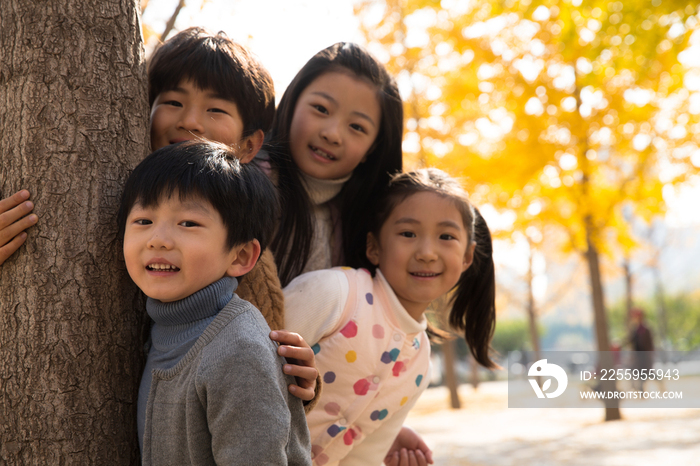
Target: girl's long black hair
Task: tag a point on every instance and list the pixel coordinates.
(292, 242)
(473, 299)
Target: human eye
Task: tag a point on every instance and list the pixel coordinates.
(218, 110)
(359, 128)
(189, 224)
(142, 221)
(407, 234)
(320, 108)
(447, 236)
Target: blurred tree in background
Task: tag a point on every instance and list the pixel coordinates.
(569, 114)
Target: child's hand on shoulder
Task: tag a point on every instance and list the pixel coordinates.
(408, 449)
(302, 363)
(14, 219)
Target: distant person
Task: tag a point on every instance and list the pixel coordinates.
(213, 390)
(369, 330)
(642, 344)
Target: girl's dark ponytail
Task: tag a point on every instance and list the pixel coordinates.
(474, 299)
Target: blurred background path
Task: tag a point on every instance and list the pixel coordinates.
(485, 432)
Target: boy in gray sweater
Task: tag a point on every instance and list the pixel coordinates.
(213, 390)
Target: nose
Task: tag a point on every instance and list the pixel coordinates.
(426, 251)
(330, 132)
(160, 239)
(191, 121)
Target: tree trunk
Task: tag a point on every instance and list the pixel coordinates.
(661, 306)
(449, 360)
(629, 301)
(612, 410)
(73, 122)
(531, 312)
(474, 369)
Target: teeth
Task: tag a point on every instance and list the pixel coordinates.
(323, 154)
(420, 274)
(162, 267)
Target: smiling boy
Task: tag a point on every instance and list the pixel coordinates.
(206, 86)
(212, 391)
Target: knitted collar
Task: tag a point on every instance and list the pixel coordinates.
(321, 191)
(174, 320)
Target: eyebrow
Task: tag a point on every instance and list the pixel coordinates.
(413, 221)
(197, 206)
(354, 112)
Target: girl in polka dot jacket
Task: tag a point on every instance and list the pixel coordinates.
(369, 332)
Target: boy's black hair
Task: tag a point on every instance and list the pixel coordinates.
(242, 194)
(473, 298)
(213, 61)
(292, 243)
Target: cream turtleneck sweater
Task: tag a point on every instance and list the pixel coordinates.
(323, 243)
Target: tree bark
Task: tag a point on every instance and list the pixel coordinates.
(449, 362)
(73, 123)
(612, 410)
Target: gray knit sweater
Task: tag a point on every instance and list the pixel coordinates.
(224, 399)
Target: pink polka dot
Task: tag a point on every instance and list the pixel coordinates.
(349, 437)
(378, 331)
(350, 330)
(321, 459)
(315, 450)
(332, 408)
(361, 387)
(398, 368)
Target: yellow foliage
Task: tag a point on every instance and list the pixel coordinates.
(562, 114)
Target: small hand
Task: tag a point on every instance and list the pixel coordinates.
(13, 221)
(302, 362)
(408, 449)
(407, 458)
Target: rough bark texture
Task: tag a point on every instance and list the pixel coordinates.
(73, 123)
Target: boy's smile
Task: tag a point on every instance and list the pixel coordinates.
(187, 112)
(176, 248)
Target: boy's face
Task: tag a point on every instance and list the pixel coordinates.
(176, 248)
(187, 112)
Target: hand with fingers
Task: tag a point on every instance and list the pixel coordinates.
(14, 219)
(301, 363)
(408, 449)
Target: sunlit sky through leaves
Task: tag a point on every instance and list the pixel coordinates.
(283, 34)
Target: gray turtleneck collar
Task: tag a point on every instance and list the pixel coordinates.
(176, 328)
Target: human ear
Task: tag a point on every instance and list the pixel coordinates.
(468, 256)
(251, 145)
(372, 251)
(243, 258)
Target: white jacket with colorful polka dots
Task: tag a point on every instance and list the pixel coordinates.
(374, 359)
